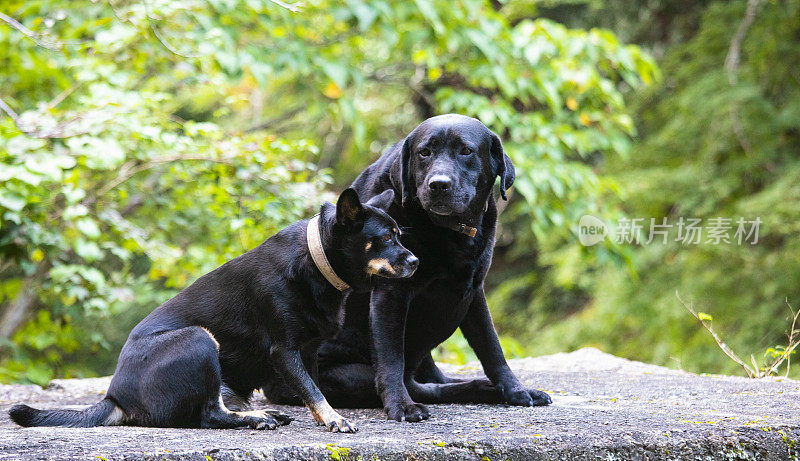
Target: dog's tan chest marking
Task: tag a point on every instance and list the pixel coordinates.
(374, 266)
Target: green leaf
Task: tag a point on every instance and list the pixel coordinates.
(365, 14)
(88, 250)
(11, 201)
(428, 10)
(335, 71)
(88, 227)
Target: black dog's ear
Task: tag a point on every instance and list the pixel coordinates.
(349, 211)
(505, 169)
(382, 201)
(405, 171)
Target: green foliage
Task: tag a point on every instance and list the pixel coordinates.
(337, 453)
(456, 350)
(716, 141)
(107, 195)
(158, 139)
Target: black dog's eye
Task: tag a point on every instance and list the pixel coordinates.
(425, 152)
(465, 151)
(387, 237)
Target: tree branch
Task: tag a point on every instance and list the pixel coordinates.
(63, 95)
(129, 169)
(158, 36)
(294, 8)
(17, 312)
(734, 52)
(727, 350)
(281, 118)
(33, 36)
(732, 68)
(57, 132)
(10, 112)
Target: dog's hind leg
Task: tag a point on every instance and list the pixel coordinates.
(471, 391)
(430, 385)
(428, 372)
(217, 416)
(234, 400)
(173, 379)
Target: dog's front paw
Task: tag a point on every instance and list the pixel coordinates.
(407, 411)
(326, 416)
(526, 397)
(518, 397)
(540, 398)
(341, 424)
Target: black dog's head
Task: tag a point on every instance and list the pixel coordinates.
(450, 162)
(369, 237)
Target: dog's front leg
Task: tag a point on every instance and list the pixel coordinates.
(387, 314)
(479, 331)
(289, 364)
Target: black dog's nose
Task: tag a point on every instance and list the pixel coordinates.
(412, 262)
(440, 182)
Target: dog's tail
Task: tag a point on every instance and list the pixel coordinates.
(103, 413)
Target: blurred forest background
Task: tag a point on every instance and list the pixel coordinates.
(145, 143)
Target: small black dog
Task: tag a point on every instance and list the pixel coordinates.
(231, 330)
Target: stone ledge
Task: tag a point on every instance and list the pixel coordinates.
(604, 407)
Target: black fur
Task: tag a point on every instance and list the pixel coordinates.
(244, 325)
(90, 417)
(443, 172)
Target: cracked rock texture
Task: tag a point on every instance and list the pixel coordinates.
(604, 407)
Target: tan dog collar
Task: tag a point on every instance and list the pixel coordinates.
(318, 255)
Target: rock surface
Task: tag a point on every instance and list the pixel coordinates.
(604, 407)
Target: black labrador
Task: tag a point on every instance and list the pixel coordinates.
(244, 325)
(443, 174)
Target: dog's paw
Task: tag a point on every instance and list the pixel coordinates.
(266, 419)
(282, 418)
(341, 424)
(539, 398)
(517, 397)
(264, 424)
(326, 416)
(407, 411)
(526, 397)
